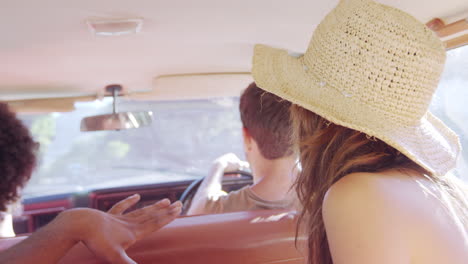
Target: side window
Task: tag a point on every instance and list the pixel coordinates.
(450, 102)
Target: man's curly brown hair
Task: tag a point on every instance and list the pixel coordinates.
(17, 156)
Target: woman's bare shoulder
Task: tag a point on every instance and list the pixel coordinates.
(361, 209)
(357, 196)
(391, 190)
(363, 188)
(394, 194)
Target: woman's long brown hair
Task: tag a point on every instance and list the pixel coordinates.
(328, 152)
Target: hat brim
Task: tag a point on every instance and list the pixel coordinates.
(430, 143)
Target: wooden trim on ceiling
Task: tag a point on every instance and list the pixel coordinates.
(201, 74)
(47, 105)
(457, 42)
(450, 33)
(451, 29)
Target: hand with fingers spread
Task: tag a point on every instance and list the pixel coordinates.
(110, 234)
(107, 235)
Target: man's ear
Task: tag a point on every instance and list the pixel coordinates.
(247, 139)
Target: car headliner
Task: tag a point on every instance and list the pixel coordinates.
(48, 51)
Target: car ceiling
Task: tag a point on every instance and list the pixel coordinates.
(47, 49)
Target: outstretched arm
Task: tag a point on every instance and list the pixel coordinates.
(108, 235)
(211, 186)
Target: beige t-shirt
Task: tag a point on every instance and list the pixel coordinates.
(246, 200)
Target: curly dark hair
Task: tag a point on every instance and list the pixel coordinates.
(17, 156)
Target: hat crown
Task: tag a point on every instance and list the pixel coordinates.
(379, 56)
(371, 68)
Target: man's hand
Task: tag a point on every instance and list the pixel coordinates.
(211, 187)
(108, 235)
(230, 163)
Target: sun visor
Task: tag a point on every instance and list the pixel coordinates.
(47, 105)
(195, 86)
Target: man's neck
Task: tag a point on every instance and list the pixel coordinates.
(273, 178)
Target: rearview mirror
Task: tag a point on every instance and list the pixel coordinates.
(116, 121)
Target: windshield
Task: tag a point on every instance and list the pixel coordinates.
(183, 140)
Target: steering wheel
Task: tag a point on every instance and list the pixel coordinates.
(191, 190)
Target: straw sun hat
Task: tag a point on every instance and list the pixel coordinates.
(372, 68)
